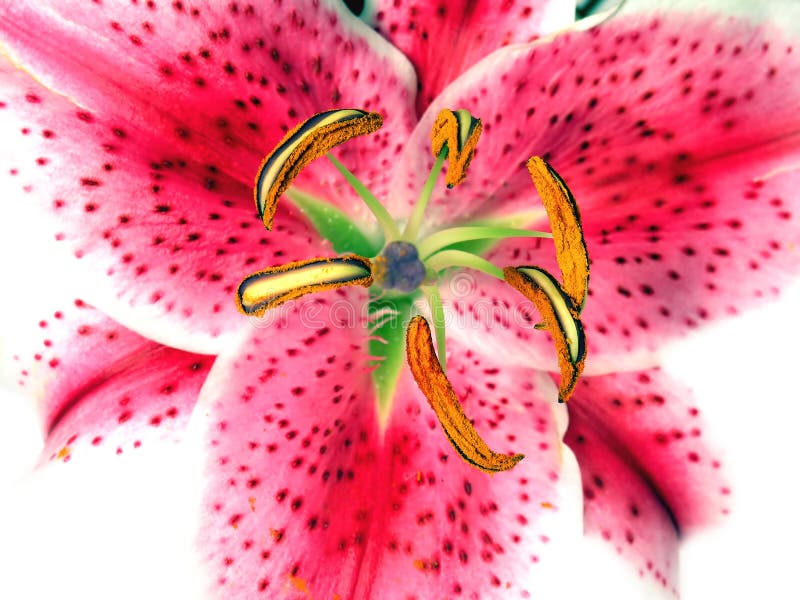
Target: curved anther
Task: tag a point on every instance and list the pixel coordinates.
(560, 318)
(309, 140)
(274, 286)
(565, 223)
(434, 384)
(460, 131)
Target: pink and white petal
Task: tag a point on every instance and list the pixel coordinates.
(649, 473)
(221, 83)
(655, 92)
(99, 387)
(160, 243)
(479, 306)
(307, 495)
(722, 248)
(683, 154)
(287, 421)
(89, 516)
(443, 40)
(646, 101)
(451, 530)
(728, 248)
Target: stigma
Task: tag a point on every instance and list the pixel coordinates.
(399, 267)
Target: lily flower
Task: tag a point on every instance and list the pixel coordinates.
(132, 134)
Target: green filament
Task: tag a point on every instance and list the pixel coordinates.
(455, 235)
(390, 230)
(458, 258)
(415, 221)
(437, 314)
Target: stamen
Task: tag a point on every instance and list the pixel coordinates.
(415, 220)
(458, 258)
(403, 266)
(309, 140)
(385, 220)
(434, 384)
(274, 286)
(560, 317)
(460, 131)
(565, 223)
(454, 235)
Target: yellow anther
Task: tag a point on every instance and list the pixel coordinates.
(436, 387)
(560, 318)
(274, 286)
(460, 131)
(309, 140)
(565, 223)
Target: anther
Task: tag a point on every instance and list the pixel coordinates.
(274, 286)
(309, 140)
(436, 387)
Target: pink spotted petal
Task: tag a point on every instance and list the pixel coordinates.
(443, 39)
(679, 138)
(643, 103)
(649, 474)
(99, 387)
(728, 248)
(110, 477)
(307, 497)
(222, 83)
(164, 242)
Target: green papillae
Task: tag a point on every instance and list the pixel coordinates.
(387, 343)
(392, 312)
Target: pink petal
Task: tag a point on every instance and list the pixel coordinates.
(682, 151)
(648, 473)
(163, 241)
(220, 84)
(512, 517)
(152, 184)
(306, 496)
(101, 388)
(607, 108)
(443, 40)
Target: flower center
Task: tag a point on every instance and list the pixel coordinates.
(411, 265)
(398, 267)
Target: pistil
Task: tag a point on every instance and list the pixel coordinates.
(398, 267)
